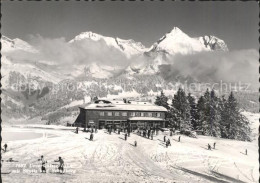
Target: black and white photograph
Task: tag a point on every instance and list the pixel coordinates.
(129, 91)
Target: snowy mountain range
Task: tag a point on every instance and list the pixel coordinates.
(172, 43)
(143, 75)
(177, 42)
(128, 47)
(148, 59)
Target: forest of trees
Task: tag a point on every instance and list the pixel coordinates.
(213, 115)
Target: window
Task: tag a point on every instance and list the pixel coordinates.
(158, 114)
(150, 114)
(132, 114)
(101, 113)
(124, 113)
(142, 114)
(109, 114)
(116, 113)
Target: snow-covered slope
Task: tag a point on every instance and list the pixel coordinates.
(15, 44)
(117, 160)
(96, 70)
(26, 72)
(128, 47)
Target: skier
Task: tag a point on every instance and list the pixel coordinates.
(214, 145)
(169, 142)
(179, 138)
(164, 138)
(135, 143)
(125, 136)
(246, 152)
(171, 133)
(166, 144)
(91, 137)
(61, 166)
(5, 146)
(95, 130)
(43, 168)
(77, 130)
(11, 160)
(209, 147)
(152, 136)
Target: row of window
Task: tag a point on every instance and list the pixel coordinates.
(132, 114)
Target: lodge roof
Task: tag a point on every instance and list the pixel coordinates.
(125, 107)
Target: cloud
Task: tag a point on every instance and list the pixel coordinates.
(81, 52)
(58, 51)
(235, 66)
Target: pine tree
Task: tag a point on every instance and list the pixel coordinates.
(205, 114)
(214, 115)
(209, 114)
(223, 120)
(180, 110)
(162, 100)
(236, 125)
(201, 112)
(193, 111)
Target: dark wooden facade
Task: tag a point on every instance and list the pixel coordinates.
(100, 118)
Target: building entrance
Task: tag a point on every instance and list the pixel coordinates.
(101, 124)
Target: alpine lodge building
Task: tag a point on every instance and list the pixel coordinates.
(121, 115)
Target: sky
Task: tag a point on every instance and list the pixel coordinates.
(234, 22)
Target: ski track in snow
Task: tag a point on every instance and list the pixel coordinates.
(109, 158)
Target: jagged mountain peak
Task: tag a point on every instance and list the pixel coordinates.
(214, 43)
(178, 42)
(174, 31)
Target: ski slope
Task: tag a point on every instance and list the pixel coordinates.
(109, 158)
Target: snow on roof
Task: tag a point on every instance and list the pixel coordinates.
(126, 107)
(145, 119)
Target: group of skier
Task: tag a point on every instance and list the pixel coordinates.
(146, 133)
(91, 134)
(44, 162)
